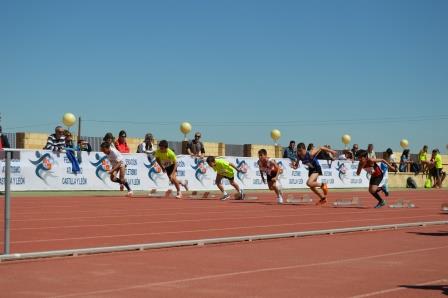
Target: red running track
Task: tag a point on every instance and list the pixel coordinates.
(398, 263)
(53, 223)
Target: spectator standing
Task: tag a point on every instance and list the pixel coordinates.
(310, 147)
(437, 168)
(147, 147)
(195, 147)
(83, 145)
(346, 155)
(423, 159)
(4, 142)
(56, 141)
(370, 152)
(390, 157)
(70, 152)
(109, 138)
(404, 160)
(290, 151)
(68, 140)
(121, 144)
(355, 150)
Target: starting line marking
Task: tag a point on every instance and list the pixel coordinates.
(160, 194)
(140, 247)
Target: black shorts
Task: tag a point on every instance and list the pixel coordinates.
(314, 170)
(228, 178)
(269, 177)
(437, 173)
(376, 180)
(169, 170)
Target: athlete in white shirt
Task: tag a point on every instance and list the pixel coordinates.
(118, 165)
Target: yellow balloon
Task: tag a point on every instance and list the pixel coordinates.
(69, 119)
(276, 134)
(404, 143)
(185, 127)
(346, 139)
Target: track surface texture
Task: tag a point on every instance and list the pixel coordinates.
(394, 263)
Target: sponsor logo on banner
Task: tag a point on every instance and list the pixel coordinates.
(243, 168)
(102, 166)
(342, 171)
(154, 171)
(44, 164)
(281, 170)
(200, 169)
(46, 170)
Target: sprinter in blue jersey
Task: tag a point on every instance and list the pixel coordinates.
(309, 160)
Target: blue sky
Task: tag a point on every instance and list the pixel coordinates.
(377, 70)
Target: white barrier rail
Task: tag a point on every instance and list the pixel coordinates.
(200, 242)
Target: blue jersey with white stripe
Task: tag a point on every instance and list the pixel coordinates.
(308, 161)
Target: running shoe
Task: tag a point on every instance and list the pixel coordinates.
(185, 185)
(321, 202)
(130, 193)
(225, 197)
(178, 196)
(241, 196)
(380, 204)
(280, 200)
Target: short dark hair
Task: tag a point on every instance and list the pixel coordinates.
(362, 153)
(163, 143)
(122, 133)
(291, 142)
(300, 146)
(262, 152)
(310, 146)
(389, 151)
(58, 128)
(107, 136)
(210, 159)
(105, 145)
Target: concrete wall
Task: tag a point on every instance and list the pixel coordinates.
(215, 149)
(30, 140)
(399, 180)
(251, 150)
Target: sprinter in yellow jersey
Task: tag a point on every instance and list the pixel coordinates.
(166, 158)
(437, 168)
(224, 169)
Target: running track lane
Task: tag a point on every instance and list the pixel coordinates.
(78, 222)
(399, 263)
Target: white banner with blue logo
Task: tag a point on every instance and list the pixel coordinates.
(46, 170)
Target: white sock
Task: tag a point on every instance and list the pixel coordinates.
(224, 193)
